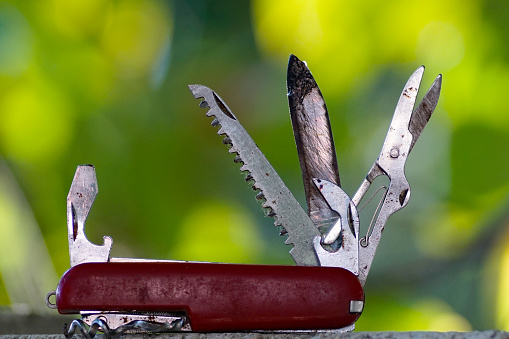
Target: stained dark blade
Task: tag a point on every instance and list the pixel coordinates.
(313, 136)
(423, 112)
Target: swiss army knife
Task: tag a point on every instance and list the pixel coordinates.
(323, 291)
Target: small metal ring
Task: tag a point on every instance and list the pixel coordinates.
(48, 303)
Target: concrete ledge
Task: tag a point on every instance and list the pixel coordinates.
(51, 327)
(351, 335)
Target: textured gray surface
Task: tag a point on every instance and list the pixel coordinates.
(32, 324)
(351, 335)
(51, 327)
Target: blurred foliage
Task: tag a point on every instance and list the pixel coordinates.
(105, 82)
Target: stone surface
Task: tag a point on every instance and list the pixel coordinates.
(50, 327)
(32, 324)
(351, 335)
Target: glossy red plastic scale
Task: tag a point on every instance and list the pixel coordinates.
(216, 297)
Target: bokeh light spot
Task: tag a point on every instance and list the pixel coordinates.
(77, 19)
(136, 34)
(386, 313)
(440, 317)
(502, 300)
(88, 73)
(451, 232)
(440, 45)
(15, 41)
(220, 233)
(317, 32)
(35, 123)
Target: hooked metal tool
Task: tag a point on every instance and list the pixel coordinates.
(324, 291)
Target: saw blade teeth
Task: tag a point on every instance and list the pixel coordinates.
(227, 140)
(215, 122)
(270, 190)
(270, 212)
(204, 104)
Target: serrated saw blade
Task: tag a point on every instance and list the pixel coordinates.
(276, 197)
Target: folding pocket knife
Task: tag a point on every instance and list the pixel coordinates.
(324, 291)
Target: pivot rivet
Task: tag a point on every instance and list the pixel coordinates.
(394, 153)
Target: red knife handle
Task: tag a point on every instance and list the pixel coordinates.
(216, 297)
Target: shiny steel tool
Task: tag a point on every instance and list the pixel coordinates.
(328, 235)
(130, 294)
(323, 292)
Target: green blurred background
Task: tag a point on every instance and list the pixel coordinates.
(105, 82)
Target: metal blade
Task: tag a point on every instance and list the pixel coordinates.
(313, 137)
(423, 112)
(391, 162)
(397, 142)
(347, 256)
(79, 202)
(278, 199)
(399, 138)
(403, 113)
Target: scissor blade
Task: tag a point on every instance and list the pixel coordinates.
(391, 162)
(397, 142)
(406, 101)
(313, 136)
(423, 112)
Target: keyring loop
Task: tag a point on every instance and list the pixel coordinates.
(48, 303)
